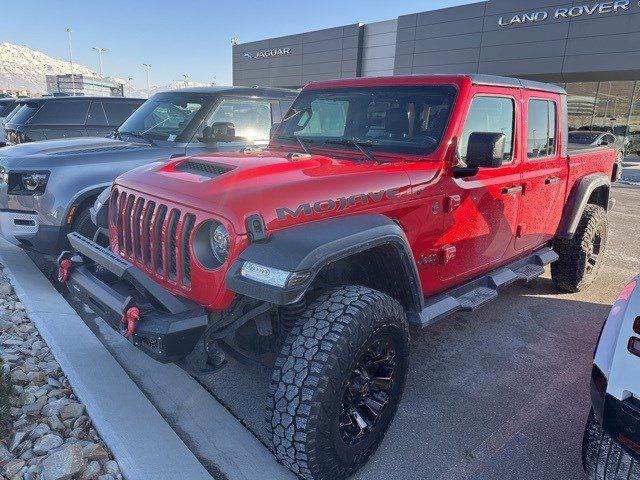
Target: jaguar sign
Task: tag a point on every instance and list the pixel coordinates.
(599, 8)
(274, 52)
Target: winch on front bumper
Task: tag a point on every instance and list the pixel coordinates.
(164, 326)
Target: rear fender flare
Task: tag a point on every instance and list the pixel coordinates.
(311, 247)
(578, 200)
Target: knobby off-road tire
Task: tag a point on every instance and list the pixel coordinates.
(316, 373)
(605, 459)
(581, 257)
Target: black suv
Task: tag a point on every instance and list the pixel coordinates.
(65, 117)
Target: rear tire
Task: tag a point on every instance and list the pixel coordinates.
(603, 458)
(344, 362)
(581, 257)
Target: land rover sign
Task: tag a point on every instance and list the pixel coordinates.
(274, 52)
(599, 8)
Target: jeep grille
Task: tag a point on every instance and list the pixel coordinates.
(153, 236)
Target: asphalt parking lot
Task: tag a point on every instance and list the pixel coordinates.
(497, 394)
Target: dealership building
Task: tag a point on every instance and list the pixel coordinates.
(590, 48)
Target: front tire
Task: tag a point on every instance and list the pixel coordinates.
(581, 257)
(337, 383)
(603, 458)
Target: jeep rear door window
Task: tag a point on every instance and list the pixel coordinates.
(62, 113)
(118, 112)
(251, 119)
(393, 119)
(542, 129)
(166, 116)
(490, 115)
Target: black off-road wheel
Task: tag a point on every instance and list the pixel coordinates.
(603, 458)
(337, 383)
(581, 257)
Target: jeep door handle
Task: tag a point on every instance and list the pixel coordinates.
(551, 180)
(511, 190)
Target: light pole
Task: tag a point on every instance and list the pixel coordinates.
(100, 52)
(148, 81)
(73, 78)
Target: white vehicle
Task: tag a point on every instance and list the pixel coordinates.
(611, 445)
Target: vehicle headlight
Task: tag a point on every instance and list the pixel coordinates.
(27, 183)
(211, 244)
(4, 176)
(219, 239)
(33, 181)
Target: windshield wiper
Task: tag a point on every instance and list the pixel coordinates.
(135, 135)
(300, 141)
(359, 145)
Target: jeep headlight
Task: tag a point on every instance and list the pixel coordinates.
(211, 244)
(219, 240)
(4, 176)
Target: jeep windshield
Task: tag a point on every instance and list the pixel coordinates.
(166, 116)
(389, 119)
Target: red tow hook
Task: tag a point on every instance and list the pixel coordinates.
(131, 316)
(63, 270)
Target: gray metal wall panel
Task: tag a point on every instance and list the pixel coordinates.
(460, 27)
(379, 48)
(462, 39)
(329, 53)
(462, 12)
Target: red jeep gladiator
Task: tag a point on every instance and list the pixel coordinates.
(380, 203)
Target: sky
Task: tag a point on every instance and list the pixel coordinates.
(179, 37)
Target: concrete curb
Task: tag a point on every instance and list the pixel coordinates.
(142, 442)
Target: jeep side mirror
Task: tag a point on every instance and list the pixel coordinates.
(485, 150)
(219, 132)
(274, 127)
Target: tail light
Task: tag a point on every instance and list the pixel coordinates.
(599, 381)
(634, 346)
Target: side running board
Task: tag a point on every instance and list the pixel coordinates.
(475, 293)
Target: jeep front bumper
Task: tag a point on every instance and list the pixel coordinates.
(169, 326)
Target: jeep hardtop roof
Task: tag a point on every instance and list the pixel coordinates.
(476, 79)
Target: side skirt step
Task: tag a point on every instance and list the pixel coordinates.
(479, 291)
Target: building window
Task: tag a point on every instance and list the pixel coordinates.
(612, 107)
(542, 129)
(581, 104)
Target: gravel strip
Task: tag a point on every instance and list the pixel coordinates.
(48, 435)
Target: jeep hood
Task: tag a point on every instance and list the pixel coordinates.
(75, 150)
(284, 189)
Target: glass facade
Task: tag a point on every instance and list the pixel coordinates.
(610, 106)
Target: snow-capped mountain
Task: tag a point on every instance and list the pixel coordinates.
(22, 68)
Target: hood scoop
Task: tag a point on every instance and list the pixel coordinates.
(204, 169)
